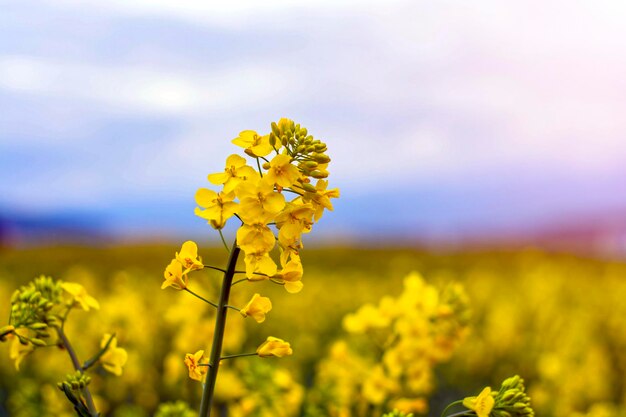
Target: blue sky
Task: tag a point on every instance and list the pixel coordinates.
(441, 117)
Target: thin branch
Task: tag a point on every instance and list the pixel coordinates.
(200, 297)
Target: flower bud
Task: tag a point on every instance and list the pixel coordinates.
(308, 187)
(266, 165)
(319, 174)
(38, 342)
(321, 158)
(275, 129)
(273, 140)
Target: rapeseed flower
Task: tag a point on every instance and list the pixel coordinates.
(291, 275)
(218, 207)
(235, 172)
(282, 172)
(114, 358)
(254, 144)
(188, 257)
(274, 346)
(174, 276)
(259, 200)
(19, 350)
(482, 404)
(80, 296)
(257, 308)
(260, 262)
(197, 372)
(255, 238)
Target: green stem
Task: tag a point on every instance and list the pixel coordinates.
(215, 268)
(233, 308)
(258, 164)
(201, 297)
(238, 281)
(223, 241)
(239, 355)
(88, 364)
(218, 334)
(70, 350)
(450, 406)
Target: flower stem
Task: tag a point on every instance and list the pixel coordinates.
(218, 334)
(202, 298)
(77, 366)
(239, 355)
(223, 240)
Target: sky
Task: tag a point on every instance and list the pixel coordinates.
(442, 118)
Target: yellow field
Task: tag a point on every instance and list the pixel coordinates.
(558, 321)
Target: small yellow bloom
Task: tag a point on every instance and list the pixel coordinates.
(79, 293)
(114, 358)
(274, 346)
(18, 350)
(253, 143)
(282, 172)
(218, 207)
(192, 361)
(294, 220)
(174, 276)
(188, 257)
(255, 238)
(257, 308)
(321, 198)
(291, 274)
(482, 405)
(235, 172)
(259, 200)
(259, 262)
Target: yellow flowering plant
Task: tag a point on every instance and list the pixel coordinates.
(39, 311)
(276, 199)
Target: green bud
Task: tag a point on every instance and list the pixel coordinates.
(308, 140)
(320, 148)
(38, 342)
(15, 296)
(308, 187)
(319, 174)
(38, 326)
(300, 149)
(321, 158)
(284, 140)
(266, 165)
(304, 132)
(273, 139)
(310, 164)
(309, 149)
(34, 297)
(249, 152)
(275, 129)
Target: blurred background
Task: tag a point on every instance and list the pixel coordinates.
(447, 122)
(480, 143)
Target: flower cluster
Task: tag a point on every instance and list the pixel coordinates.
(510, 401)
(258, 198)
(38, 312)
(405, 338)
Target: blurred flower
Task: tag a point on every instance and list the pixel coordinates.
(257, 307)
(18, 349)
(274, 346)
(114, 358)
(80, 295)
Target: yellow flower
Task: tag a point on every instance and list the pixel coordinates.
(274, 346)
(410, 405)
(192, 361)
(80, 296)
(18, 350)
(291, 275)
(259, 262)
(282, 172)
(174, 276)
(218, 207)
(259, 200)
(235, 172)
(253, 143)
(294, 220)
(482, 405)
(321, 198)
(188, 257)
(289, 248)
(114, 358)
(255, 238)
(257, 307)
